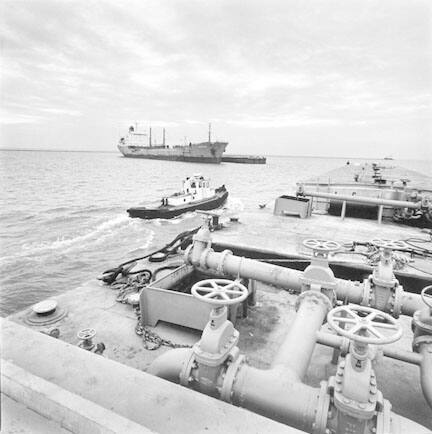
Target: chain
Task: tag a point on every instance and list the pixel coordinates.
(131, 285)
(151, 340)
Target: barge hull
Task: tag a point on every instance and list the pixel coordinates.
(244, 159)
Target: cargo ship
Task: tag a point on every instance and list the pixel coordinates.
(139, 145)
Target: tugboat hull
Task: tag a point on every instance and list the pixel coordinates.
(168, 212)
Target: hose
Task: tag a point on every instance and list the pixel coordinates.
(109, 276)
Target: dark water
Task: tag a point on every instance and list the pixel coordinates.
(63, 215)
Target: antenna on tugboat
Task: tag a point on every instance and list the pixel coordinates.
(209, 133)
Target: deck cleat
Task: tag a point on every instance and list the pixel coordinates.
(45, 313)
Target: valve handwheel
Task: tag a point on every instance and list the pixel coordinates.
(219, 291)
(321, 245)
(426, 295)
(389, 244)
(364, 324)
(86, 334)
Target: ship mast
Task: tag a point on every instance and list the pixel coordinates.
(150, 137)
(209, 133)
(163, 137)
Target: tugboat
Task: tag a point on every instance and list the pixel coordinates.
(196, 194)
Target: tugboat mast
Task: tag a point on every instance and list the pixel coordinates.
(209, 139)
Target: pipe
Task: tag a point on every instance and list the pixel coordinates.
(273, 274)
(402, 425)
(227, 263)
(411, 303)
(346, 290)
(335, 341)
(169, 364)
(425, 350)
(296, 350)
(365, 200)
(276, 394)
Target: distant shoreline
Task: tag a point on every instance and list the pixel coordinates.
(265, 155)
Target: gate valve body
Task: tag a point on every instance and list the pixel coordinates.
(318, 275)
(217, 350)
(381, 289)
(219, 335)
(422, 319)
(383, 274)
(354, 388)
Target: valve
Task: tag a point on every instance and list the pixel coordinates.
(86, 336)
(359, 406)
(426, 296)
(318, 275)
(389, 244)
(321, 248)
(219, 292)
(216, 354)
(381, 289)
(422, 319)
(364, 324)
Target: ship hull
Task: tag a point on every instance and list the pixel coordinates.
(168, 212)
(196, 153)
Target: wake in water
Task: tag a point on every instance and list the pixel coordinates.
(95, 236)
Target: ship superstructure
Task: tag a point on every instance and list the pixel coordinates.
(139, 145)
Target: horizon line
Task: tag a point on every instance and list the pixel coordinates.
(265, 155)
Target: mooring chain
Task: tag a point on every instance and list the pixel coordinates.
(131, 285)
(151, 337)
(152, 341)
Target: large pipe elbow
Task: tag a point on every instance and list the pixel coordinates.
(411, 303)
(169, 365)
(426, 371)
(278, 394)
(402, 425)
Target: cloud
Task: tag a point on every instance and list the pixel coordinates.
(283, 64)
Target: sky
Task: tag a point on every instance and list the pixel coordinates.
(341, 78)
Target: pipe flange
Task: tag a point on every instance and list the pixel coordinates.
(185, 373)
(322, 410)
(220, 267)
(396, 302)
(319, 296)
(230, 376)
(203, 258)
(419, 340)
(420, 323)
(367, 292)
(187, 254)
